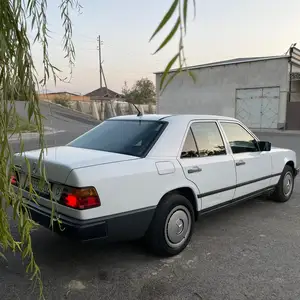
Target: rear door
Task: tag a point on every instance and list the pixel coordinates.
(206, 162)
(253, 167)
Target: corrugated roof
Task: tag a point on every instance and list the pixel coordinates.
(59, 93)
(103, 92)
(230, 61)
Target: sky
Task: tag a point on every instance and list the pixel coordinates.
(222, 29)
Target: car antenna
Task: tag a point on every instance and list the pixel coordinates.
(139, 112)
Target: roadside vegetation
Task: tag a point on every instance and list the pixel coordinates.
(63, 101)
(21, 125)
(142, 92)
(18, 76)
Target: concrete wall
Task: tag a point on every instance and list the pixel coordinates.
(63, 96)
(215, 87)
(102, 110)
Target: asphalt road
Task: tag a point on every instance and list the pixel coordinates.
(70, 124)
(59, 117)
(250, 251)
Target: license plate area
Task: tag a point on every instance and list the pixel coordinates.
(40, 186)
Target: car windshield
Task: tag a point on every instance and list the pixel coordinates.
(131, 137)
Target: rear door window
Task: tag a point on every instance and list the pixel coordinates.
(189, 149)
(208, 138)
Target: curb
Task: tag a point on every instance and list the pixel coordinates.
(279, 132)
(33, 135)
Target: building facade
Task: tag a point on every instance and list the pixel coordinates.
(262, 92)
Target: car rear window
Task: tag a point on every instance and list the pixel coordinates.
(131, 137)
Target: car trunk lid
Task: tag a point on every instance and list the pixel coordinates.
(58, 162)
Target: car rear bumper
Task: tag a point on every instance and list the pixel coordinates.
(127, 226)
(297, 171)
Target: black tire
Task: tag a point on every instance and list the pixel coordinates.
(282, 193)
(159, 235)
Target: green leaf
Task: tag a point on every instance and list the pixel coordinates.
(15, 211)
(171, 78)
(55, 68)
(194, 2)
(30, 111)
(3, 256)
(170, 35)
(185, 8)
(167, 69)
(166, 18)
(191, 74)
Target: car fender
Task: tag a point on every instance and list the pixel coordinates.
(280, 157)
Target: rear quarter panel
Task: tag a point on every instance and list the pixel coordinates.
(129, 185)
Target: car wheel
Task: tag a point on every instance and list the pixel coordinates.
(172, 226)
(285, 186)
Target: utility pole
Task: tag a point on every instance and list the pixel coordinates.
(100, 59)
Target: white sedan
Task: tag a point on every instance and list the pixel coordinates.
(152, 176)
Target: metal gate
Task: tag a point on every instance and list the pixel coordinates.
(258, 107)
(292, 116)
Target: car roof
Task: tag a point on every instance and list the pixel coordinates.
(180, 118)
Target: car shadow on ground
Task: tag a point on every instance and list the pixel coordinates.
(62, 257)
(52, 251)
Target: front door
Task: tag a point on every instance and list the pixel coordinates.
(253, 167)
(206, 162)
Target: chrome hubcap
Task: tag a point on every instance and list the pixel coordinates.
(178, 226)
(288, 182)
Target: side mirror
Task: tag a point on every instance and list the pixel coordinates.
(264, 146)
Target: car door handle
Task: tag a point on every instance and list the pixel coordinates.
(194, 169)
(240, 163)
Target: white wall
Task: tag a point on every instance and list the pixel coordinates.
(215, 87)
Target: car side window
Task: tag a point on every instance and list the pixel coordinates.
(239, 139)
(208, 139)
(189, 149)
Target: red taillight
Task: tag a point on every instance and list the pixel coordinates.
(80, 198)
(71, 200)
(13, 180)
